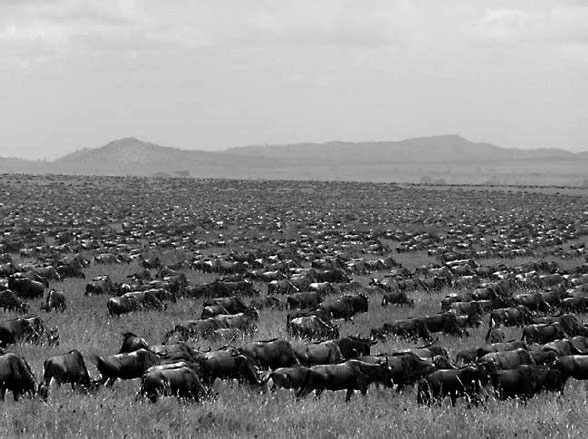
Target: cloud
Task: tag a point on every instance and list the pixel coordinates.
(561, 24)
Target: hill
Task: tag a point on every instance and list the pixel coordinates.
(440, 159)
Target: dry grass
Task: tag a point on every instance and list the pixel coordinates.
(241, 412)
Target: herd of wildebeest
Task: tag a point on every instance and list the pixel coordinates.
(320, 252)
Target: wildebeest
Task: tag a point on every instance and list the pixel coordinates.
(397, 298)
(412, 328)
(406, 368)
(345, 307)
(270, 354)
(54, 300)
(288, 377)
(125, 366)
(100, 285)
(281, 286)
(517, 316)
(304, 300)
(11, 302)
(133, 301)
(267, 302)
(351, 375)
(543, 333)
(325, 352)
(27, 329)
(495, 335)
(574, 366)
(226, 364)
(525, 381)
(132, 342)
(464, 382)
(177, 379)
(26, 288)
(16, 376)
(445, 322)
(533, 301)
(312, 328)
(232, 304)
(65, 368)
(507, 359)
(353, 346)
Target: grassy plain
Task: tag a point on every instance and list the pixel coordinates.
(238, 411)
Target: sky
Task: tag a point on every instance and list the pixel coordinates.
(212, 74)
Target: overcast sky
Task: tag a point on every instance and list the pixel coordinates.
(220, 73)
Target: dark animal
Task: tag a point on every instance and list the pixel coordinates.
(312, 328)
(65, 368)
(54, 300)
(288, 377)
(11, 302)
(270, 354)
(177, 379)
(543, 333)
(354, 346)
(455, 383)
(125, 366)
(311, 354)
(351, 375)
(132, 342)
(397, 298)
(526, 381)
(26, 288)
(16, 376)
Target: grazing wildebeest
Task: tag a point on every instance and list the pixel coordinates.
(132, 342)
(11, 302)
(65, 368)
(177, 379)
(54, 300)
(16, 376)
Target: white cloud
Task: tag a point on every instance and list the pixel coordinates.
(560, 24)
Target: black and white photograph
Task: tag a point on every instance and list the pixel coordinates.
(293, 219)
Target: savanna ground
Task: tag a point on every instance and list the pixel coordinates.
(239, 411)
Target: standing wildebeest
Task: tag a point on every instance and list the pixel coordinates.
(282, 286)
(288, 377)
(304, 300)
(311, 327)
(26, 288)
(324, 352)
(517, 316)
(467, 381)
(100, 285)
(16, 376)
(525, 381)
(351, 375)
(177, 379)
(574, 366)
(507, 359)
(412, 328)
(543, 333)
(354, 346)
(397, 298)
(270, 354)
(11, 302)
(65, 368)
(54, 300)
(345, 307)
(125, 366)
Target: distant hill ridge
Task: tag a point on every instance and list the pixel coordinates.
(450, 158)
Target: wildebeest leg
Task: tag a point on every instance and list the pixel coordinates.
(349, 394)
(318, 392)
